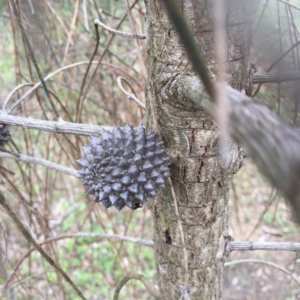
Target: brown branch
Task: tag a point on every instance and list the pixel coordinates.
(31, 240)
(80, 101)
(148, 285)
(31, 54)
(147, 243)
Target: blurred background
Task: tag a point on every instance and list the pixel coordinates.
(54, 206)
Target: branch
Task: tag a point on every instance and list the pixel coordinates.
(32, 56)
(39, 161)
(280, 58)
(273, 144)
(148, 285)
(268, 263)
(269, 246)
(31, 240)
(275, 77)
(120, 33)
(38, 84)
(147, 243)
(5, 243)
(52, 126)
(130, 96)
(290, 4)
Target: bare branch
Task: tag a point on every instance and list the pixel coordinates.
(16, 88)
(120, 33)
(38, 84)
(32, 56)
(147, 243)
(275, 77)
(273, 144)
(130, 96)
(268, 263)
(31, 240)
(148, 285)
(39, 161)
(5, 242)
(269, 246)
(290, 4)
(52, 126)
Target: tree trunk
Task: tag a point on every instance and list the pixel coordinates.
(200, 179)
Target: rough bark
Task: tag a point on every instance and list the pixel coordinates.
(271, 143)
(199, 177)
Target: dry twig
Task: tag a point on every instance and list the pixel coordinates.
(31, 240)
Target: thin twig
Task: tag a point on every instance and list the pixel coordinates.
(280, 58)
(39, 161)
(136, 41)
(86, 20)
(79, 105)
(38, 84)
(31, 53)
(130, 96)
(268, 263)
(16, 88)
(103, 54)
(69, 39)
(120, 33)
(31, 240)
(147, 243)
(267, 206)
(290, 4)
(4, 238)
(148, 285)
(59, 19)
(254, 31)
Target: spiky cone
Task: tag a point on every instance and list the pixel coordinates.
(124, 167)
(4, 135)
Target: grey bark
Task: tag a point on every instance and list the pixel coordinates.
(271, 246)
(276, 77)
(199, 177)
(273, 144)
(52, 126)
